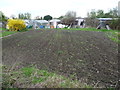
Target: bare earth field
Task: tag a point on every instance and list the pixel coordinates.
(91, 56)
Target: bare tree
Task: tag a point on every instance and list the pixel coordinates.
(92, 14)
(91, 22)
(24, 16)
(69, 18)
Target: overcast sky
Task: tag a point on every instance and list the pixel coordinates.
(55, 8)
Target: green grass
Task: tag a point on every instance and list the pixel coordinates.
(6, 32)
(3, 29)
(27, 77)
(31, 77)
(114, 36)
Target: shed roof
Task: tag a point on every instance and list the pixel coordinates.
(41, 21)
(106, 19)
(55, 20)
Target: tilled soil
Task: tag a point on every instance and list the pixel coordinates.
(90, 55)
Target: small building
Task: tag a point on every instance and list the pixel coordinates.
(54, 22)
(80, 22)
(40, 23)
(107, 20)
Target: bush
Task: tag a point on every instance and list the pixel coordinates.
(16, 24)
(115, 24)
(91, 22)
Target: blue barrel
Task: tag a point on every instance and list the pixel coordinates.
(41, 26)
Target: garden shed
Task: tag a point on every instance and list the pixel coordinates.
(55, 22)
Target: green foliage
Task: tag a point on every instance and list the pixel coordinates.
(92, 14)
(100, 14)
(5, 32)
(61, 17)
(47, 17)
(27, 71)
(113, 13)
(60, 52)
(113, 35)
(43, 76)
(3, 29)
(115, 24)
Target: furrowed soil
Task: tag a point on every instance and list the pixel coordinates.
(89, 55)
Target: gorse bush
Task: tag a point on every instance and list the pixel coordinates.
(16, 24)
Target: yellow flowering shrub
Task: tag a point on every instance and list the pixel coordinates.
(16, 24)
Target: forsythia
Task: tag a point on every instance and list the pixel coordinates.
(16, 24)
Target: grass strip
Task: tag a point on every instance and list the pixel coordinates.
(31, 77)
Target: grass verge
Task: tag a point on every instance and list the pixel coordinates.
(113, 35)
(6, 32)
(31, 77)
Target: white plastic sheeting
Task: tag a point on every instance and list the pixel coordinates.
(42, 21)
(61, 26)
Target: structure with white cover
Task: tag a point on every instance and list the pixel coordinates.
(54, 22)
(80, 22)
(103, 23)
(39, 23)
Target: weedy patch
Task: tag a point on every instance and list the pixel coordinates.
(6, 33)
(114, 35)
(31, 77)
(60, 52)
